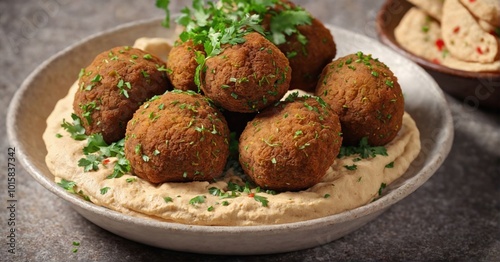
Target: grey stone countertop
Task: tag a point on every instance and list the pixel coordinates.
(453, 216)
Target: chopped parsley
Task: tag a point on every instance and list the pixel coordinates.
(214, 25)
(168, 199)
(234, 190)
(163, 4)
(352, 167)
(390, 165)
(97, 150)
(261, 199)
(382, 187)
(197, 200)
(131, 179)
(121, 86)
(67, 185)
(104, 190)
(76, 130)
(363, 149)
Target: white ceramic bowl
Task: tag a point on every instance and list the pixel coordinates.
(50, 81)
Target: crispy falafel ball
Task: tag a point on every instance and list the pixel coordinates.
(366, 95)
(247, 77)
(291, 145)
(182, 65)
(176, 137)
(113, 87)
(308, 52)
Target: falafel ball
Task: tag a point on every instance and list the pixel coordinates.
(176, 137)
(291, 145)
(182, 65)
(247, 77)
(308, 52)
(366, 95)
(113, 87)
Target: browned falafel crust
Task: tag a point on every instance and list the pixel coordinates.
(113, 87)
(290, 146)
(182, 65)
(308, 53)
(247, 77)
(307, 61)
(366, 95)
(177, 137)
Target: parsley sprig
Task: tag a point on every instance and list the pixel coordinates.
(70, 186)
(75, 129)
(364, 150)
(227, 22)
(212, 27)
(234, 190)
(97, 150)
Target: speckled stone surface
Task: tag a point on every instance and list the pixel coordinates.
(454, 216)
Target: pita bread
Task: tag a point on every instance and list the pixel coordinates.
(464, 37)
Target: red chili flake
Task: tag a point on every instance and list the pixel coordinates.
(472, 1)
(105, 161)
(440, 44)
(251, 195)
(478, 49)
(436, 61)
(456, 29)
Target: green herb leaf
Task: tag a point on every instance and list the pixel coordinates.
(67, 185)
(382, 187)
(261, 199)
(104, 190)
(352, 167)
(75, 129)
(90, 163)
(285, 24)
(168, 199)
(164, 4)
(364, 150)
(197, 200)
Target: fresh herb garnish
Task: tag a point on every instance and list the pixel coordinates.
(97, 150)
(382, 187)
(235, 190)
(163, 4)
(364, 150)
(352, 167)
(215, 25)
(285, 24)
(67, 185)
(168, 199)
(104, 190)
(197, 200)
(261, 199)
(76, 130)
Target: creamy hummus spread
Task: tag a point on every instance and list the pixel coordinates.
(341, 189)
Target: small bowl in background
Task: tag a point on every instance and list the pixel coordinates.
(477, 89)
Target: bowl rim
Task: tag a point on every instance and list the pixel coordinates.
(387, 200)
(384, 36)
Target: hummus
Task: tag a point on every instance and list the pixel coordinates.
(341, 189)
